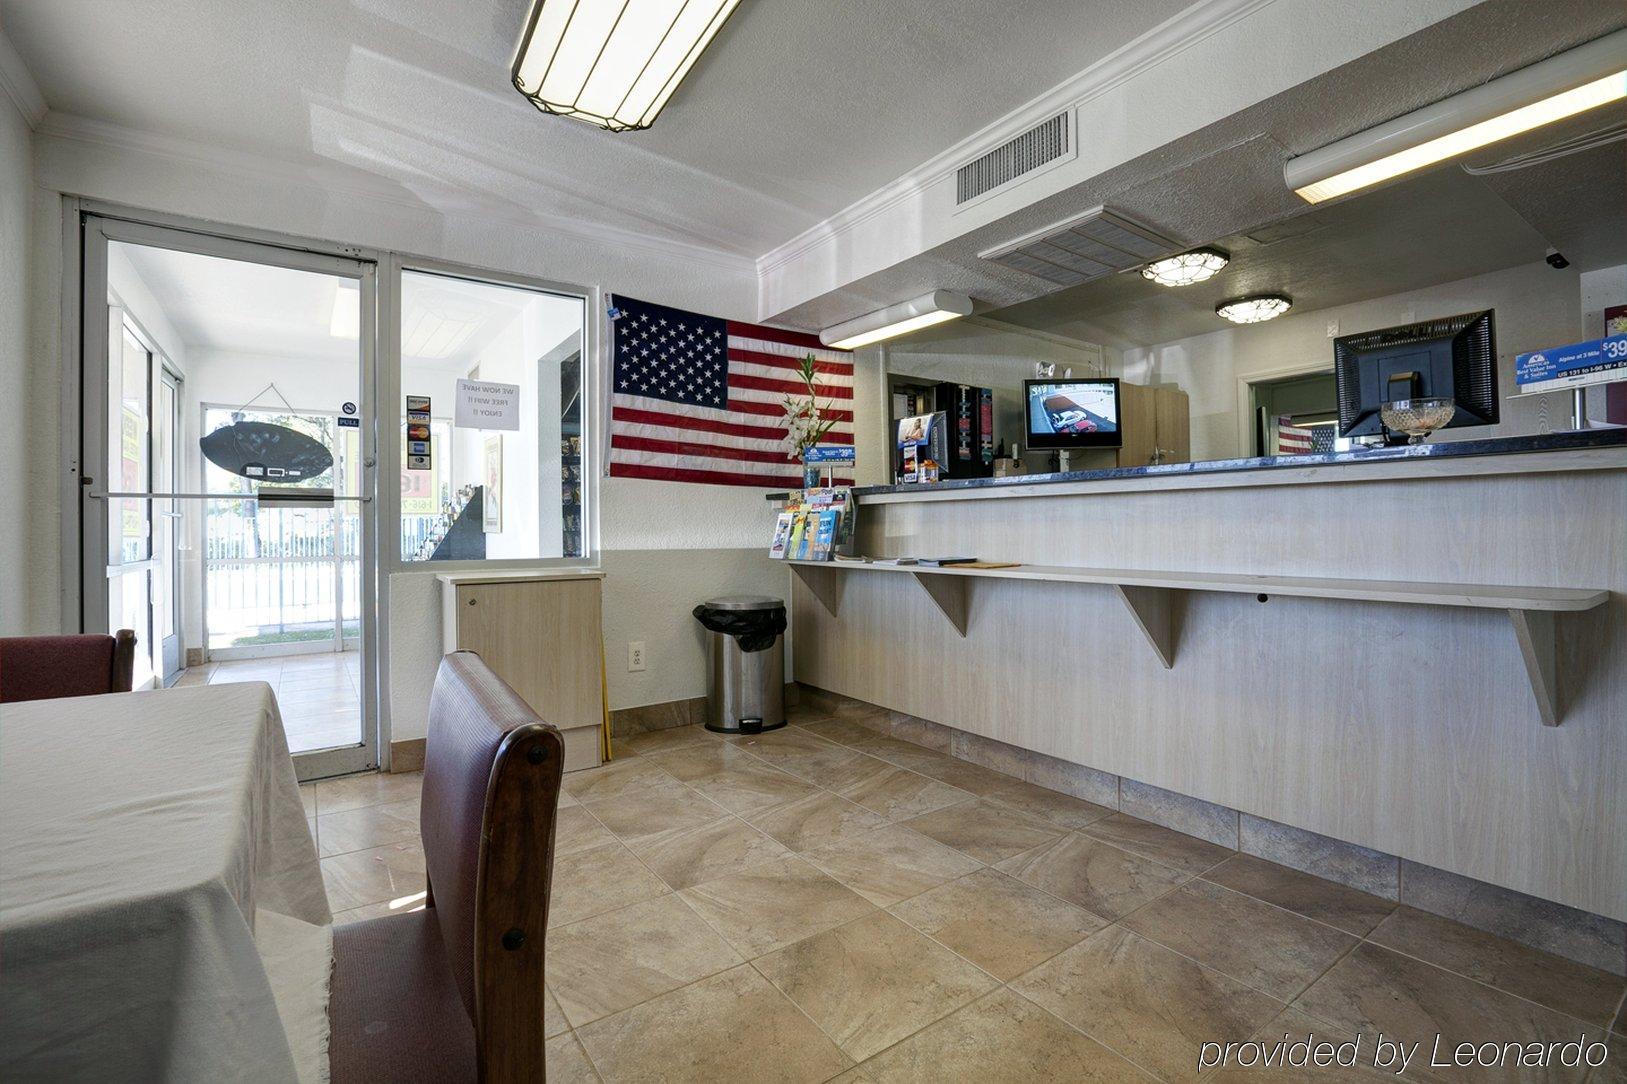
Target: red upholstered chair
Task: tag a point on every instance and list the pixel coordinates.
(454, 992)
(47, 667)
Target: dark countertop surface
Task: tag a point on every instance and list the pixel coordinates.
(1550, 442)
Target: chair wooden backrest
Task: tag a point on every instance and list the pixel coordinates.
(492, 772)
(48, 667)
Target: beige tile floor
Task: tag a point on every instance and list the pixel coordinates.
(820, 903)
(318, 694)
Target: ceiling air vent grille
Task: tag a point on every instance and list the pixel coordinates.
(1085, 247)
(1042, 144)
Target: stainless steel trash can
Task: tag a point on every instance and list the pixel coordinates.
(745, 689)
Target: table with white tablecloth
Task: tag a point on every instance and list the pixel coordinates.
(162, 915)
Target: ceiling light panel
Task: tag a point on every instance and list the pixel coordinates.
(1573, 82)
(613, 63)
(935, 308)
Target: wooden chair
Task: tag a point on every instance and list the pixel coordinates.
(48, 667)
(454, 992)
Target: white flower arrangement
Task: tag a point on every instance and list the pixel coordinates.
(805, 421)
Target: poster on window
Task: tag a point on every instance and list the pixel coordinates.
(492, 508)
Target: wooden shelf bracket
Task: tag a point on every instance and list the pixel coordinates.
(1534, 631)
(1152, 598)
(823, 584)
(1153, 610)
(949, 593)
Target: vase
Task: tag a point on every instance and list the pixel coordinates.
(810, 475)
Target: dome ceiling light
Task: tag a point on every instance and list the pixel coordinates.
(1185, 268)
(1254, 309)
(613, 63)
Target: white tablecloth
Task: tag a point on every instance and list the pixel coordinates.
(162, 915)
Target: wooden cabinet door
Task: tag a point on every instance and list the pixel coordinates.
(543, 638)
(1138, 425)
(1174, 411)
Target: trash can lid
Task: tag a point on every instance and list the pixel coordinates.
(744, 602)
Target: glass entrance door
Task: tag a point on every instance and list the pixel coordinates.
(166, 525)
(228, 401)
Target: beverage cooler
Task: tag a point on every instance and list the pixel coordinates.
(966, 429)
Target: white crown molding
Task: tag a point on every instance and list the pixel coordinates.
(1168, 39)
(19, 84)
(327, 180)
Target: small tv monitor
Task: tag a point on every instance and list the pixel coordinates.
(1065, 414)
(1454, 357)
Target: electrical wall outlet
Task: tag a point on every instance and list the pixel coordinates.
(635, 655)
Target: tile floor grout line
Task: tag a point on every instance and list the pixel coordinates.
(1119, 922)
(1204, 877)
(1482, 982)
(1104, 1044)
(645, 1001)
(593, 1066)
(752, 963)
(856, 1061)
(1619, 1013)
(974, 963)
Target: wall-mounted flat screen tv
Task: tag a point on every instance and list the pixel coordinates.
(1073, 413)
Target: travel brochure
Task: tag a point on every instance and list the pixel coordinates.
(817, 524)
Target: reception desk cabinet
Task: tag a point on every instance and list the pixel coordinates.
(541, 633)
(1423, 652)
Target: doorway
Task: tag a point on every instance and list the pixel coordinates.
(1296, 415)
(228, 389)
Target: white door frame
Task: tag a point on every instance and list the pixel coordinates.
(1245, 397)
(92, 226)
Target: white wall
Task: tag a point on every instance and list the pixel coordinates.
(1536, 307)
(642, 522)
(20, 601)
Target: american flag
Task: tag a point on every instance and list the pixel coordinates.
(698, 399)
(1294, 439)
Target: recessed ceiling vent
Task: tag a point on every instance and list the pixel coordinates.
(1047, 142)
(1088, 246)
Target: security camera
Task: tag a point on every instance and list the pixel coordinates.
(1556, 259)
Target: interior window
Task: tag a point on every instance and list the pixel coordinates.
(491, 418)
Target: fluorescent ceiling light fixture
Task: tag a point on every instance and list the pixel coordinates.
(346, 321)
(1186, 268)
(1573, 82)
(896, 320)
(1255, 309)
(613, 63)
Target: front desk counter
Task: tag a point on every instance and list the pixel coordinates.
(1420, 650)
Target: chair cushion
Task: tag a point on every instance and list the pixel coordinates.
(47, 667)
(396, 1014)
